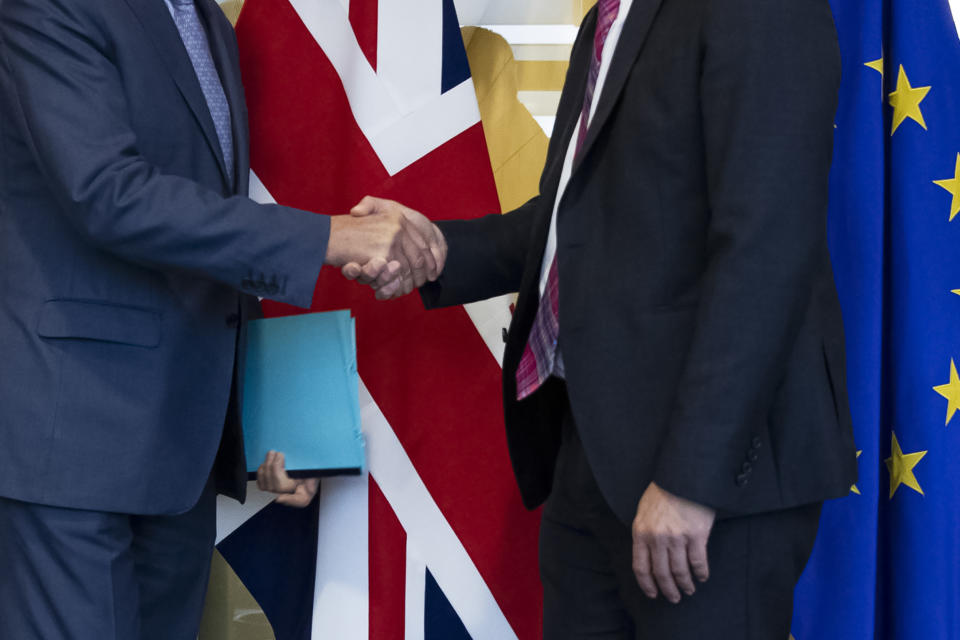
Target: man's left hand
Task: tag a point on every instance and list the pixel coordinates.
(272, 476)
(670, 544)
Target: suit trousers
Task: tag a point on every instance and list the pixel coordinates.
(87, 575)
(590, 590)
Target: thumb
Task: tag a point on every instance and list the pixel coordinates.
(365, 207)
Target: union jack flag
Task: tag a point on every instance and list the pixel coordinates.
(349, 98)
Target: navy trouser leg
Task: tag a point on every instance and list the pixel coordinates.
(66, 574)
(172, 563)
(69, 574)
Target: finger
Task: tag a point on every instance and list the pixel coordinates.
(642, 568)
(680, 567)
(416, 256)
(387, 275)
(280, 481)
(697, 553)
(390, 290)
(372, 271)
(660, 560)
(426, 238)
(423, 235)
(262, 475)
(351, 271)
(408, 285)
(439, 247)
(304, 494)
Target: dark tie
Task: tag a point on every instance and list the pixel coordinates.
(198, 48)
(540, 358)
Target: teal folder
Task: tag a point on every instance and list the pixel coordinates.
(301, 394)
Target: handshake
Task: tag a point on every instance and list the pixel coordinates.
(386, 245)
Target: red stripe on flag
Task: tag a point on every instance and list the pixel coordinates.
(363, 17)
(430, 373)
(388, 569)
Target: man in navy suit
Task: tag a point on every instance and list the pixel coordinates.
(130, 258)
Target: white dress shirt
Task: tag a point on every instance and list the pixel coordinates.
(613, 37)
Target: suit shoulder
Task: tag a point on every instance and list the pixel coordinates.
(778, 29)
(769, 15)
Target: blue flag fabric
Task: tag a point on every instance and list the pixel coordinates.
(887, 563)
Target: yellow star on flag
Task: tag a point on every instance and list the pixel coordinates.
(876, 65)
(951, 391)
(953, 186)
(906, 102)
(900, 465)
(854, 488)
(956, 291)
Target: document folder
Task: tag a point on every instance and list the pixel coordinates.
(301, 394)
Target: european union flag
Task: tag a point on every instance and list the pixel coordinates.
(887, 564)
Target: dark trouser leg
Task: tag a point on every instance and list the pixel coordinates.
(69, 574)
(580, 581)
(172, 557)
(590, 590)
(66, 574)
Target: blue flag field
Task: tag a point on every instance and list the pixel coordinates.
(887, 564)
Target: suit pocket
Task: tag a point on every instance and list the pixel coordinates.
(105, 322)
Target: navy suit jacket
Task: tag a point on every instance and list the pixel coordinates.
(699, 321)
(126, 256)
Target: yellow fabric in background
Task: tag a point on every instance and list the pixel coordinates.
(232, 9)
(515, 142)
(230, 612)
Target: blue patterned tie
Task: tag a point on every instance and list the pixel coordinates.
(198, 48)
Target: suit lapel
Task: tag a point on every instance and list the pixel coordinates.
(568, 114)
(632, 38)
(228, 66)
(161, 30)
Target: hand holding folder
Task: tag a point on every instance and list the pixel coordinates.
(301, 395)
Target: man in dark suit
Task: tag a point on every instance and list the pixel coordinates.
(674, 373)
(130, 258)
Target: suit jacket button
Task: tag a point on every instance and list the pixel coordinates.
(752, 456)
(742, 480)
(746, 467)
(757, 442)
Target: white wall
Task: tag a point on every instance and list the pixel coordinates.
(516, 12)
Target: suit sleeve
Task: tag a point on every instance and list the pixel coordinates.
(485, 257)
(72, 109)
(769, 87)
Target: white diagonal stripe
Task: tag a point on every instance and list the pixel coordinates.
(428, 530)
(414, 619)
(341, 606)
(410, 67)
(401, 123)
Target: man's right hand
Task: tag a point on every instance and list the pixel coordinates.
(422, 255)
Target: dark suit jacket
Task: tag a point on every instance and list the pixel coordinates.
(123, 252)
(699, 322)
